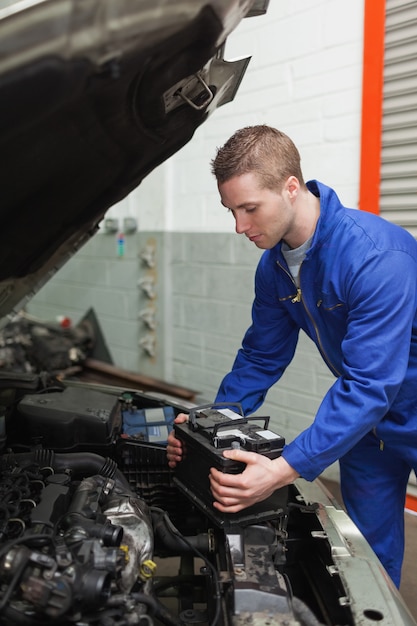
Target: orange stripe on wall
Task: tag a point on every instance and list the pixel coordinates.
(372, 100)
(411, 502)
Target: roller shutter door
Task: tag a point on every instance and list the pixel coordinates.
(398, 198)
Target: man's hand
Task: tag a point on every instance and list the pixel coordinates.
(260, 478)
(174, 446)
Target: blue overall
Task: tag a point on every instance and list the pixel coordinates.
(357, 301)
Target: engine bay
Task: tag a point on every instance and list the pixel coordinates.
(96, 529)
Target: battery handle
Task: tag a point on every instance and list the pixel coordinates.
(192, 415)
(245, 420)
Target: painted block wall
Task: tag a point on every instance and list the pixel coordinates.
(98, 277)
(304, 78)
(124, 289)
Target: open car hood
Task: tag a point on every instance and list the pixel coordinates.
(94, 94)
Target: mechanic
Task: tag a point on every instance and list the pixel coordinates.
(348, 279)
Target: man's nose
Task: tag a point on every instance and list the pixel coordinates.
(242, 223)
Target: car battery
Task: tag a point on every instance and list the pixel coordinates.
(210, 430)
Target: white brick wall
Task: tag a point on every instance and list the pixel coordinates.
(304, 78)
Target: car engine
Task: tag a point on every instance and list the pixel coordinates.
(95, 529)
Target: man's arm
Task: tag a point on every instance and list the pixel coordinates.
(267, 347)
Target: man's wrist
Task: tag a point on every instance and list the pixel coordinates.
(285, 474)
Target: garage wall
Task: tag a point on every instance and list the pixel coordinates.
(304, 78)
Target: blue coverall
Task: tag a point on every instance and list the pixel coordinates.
(357, 301)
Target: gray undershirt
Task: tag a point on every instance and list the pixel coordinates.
(294, 257)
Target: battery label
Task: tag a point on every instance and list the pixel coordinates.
(267, 434)
(230, 414)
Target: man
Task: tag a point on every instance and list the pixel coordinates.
(349, 280)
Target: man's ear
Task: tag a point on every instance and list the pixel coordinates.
(292, 187)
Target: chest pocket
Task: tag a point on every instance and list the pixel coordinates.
(331, 316)
(328, 304)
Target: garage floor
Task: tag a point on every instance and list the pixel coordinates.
(408, 585)
(409, 574)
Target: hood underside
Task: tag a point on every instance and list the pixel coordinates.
(94, 94)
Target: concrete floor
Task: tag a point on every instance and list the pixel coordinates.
(408, 584)
(408, 579)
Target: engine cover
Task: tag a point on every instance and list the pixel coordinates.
(69, 420)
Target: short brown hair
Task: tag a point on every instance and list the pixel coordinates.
(261, 149)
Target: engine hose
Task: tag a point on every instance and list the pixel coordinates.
(92, 463)
(171, 538)
(79, 462)
(209, 565)
(42, 457)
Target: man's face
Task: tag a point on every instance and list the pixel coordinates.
(264, 216)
